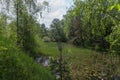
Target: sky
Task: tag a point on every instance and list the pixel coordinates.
(57, 9)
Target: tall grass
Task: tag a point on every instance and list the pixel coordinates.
(17, 65)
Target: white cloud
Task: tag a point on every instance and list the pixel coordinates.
(57, 14)
(58, 9)
(57, 3)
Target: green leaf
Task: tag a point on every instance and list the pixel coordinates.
(111, 7)
(118, 7)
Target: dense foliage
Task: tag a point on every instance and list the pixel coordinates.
(56, 31)
(93, 24)
(89, 23)
(16, 65)
(18, 41)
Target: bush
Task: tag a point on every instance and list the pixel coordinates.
(114, 40)
(46, 39)
(16, 65)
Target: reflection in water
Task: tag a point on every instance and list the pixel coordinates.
(43, 60)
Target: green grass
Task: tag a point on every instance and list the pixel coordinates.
(17, 65)
(50, 49)
(82, 62)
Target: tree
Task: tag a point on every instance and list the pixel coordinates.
(26, 11)
(114, 37)
(89, 22)
(56, 31)
(3, 24)
(44, 31)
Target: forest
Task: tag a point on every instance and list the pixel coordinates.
(83, 45)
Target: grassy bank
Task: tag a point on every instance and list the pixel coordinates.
(17, 65)
(85, 64)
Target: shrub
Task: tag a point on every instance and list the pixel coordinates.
(114, 40)
(46, 39)
(16, 65)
